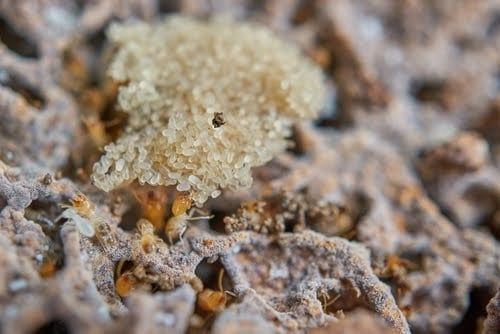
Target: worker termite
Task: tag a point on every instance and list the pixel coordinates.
(153, 206)
(96, 130)
(125, 282)
(177, 224)
(89, 223)
(48, 268)
(214, 301)
(148, 237)
(396, 267)
(135, 277)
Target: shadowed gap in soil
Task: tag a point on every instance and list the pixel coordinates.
(16, 41)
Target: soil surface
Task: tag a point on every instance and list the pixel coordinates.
(383, 214)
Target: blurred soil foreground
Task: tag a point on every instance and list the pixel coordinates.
(383, 214)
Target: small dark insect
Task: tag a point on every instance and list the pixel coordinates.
(218, 120)
(47, 179)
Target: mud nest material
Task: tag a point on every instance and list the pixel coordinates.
(409, 170)
(207, 101)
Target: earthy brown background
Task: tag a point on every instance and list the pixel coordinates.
(398, 182)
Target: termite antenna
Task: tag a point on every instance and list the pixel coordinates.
(200, 217)
(220, 278)
(119, 267)
(221, 287)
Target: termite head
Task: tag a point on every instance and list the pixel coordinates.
(48, 268)
(125, 281)
(82, 204)
(124, 284)
(212, 301)
(181, 204)
(96, 130)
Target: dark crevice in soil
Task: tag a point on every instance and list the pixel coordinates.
(358, 206)
(97, 42)
(130, 217)
(492, 223)
(3, 203)
(340, 69)
(345, 301)
(297, 147)
(340, 121)
(32, 95)
(53, 327)
(44, 214)
(215, 285)
(208, 273)
(168, 6)
(124, 268)
(476, 312)
(488, 123)
(493, 27)
(303, 13)
(114, 120)
(271, 171)
(217, 222)
(330, 116)
(16, 42)
(488, 200)
(434, 91)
